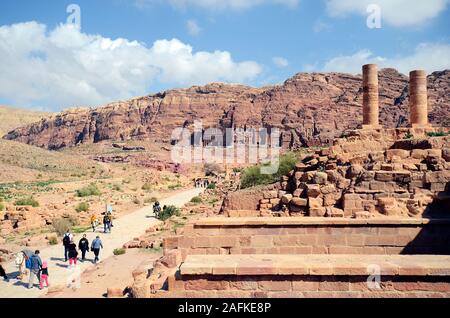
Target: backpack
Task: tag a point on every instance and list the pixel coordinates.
(29, 263)
(66, 240)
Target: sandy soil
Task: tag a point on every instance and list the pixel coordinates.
(112, 272)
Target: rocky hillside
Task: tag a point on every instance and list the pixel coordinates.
(310, 109)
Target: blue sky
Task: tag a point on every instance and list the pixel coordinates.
(129, 48)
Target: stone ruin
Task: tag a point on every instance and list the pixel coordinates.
(371, 171)
(376, 202)
(366, 174)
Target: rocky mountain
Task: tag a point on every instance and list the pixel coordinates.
(310, 109)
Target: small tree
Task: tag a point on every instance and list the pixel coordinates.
(28, 201)
(147, 187)
(89, 190)
(82, 207)
(168, 212)
(196, 200)
(61, 226)
(119, 251)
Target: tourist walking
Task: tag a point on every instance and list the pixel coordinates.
(95, 247)
(107, 223)
(156, 209)
(44, 275)
(68, 237)
(109, 211)
(83, 245)
(73, 253)
(94, 222)
(3, 273)
(36, 265)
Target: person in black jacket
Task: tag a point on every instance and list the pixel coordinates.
(3, 273)
(83, 245)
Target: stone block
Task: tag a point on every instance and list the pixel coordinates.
(384, 176)
(270, 195)
(285, 199)
(320, 178)
(313, 190)
(317, 211)
(314, 203)
(299, 202)
(420, 154)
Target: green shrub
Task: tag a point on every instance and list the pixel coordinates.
(119, 251)
(408, 136)
(147, 187)
(28, 201)
(61, 226)
(437, 134)
(73, 220)
(82, 207)
(89, 190)
(2, 206)
(168, 212)
(175, 186)
(211, 186)
(53, 240)
(252, 176)
(196, 200)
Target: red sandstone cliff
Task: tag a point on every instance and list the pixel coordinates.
(310, 109)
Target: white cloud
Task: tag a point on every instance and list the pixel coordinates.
(320, 26)
(193, 27)
(394, 12)
(429, 56)
(218, 5)
(65, 67)
(280, 61)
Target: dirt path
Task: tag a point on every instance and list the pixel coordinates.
(115, 271)
(124, 230)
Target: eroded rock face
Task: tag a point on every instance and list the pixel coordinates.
(310, 109)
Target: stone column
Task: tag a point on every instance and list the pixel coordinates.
(370, 97)
(418, 99)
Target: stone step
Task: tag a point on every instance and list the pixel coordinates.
(291, 221)
(312, 235)
(316, 265)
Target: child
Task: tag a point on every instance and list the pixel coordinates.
(44, 275)
(73, 253)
